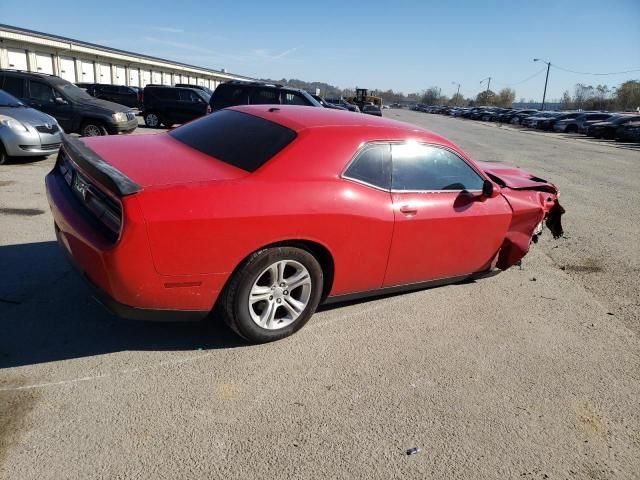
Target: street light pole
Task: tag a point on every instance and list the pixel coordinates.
(546, 80)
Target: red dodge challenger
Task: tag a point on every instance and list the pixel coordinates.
(264, 212)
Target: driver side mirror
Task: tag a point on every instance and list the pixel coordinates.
(489, 189)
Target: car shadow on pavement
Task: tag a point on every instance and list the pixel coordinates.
(47, 314)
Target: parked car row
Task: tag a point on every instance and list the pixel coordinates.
(620, 126)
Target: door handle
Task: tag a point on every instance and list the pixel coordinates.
(409, 209)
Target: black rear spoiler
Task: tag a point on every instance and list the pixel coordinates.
(94, 165)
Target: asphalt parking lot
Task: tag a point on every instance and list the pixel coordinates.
(533, 373)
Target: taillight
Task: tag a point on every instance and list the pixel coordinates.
(105, 209)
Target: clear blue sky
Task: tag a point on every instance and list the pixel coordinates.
(403, 45)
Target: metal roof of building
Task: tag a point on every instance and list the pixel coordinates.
(107, 50)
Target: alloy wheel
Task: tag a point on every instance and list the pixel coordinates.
(92, 131)
(152, 120)
(280, 294)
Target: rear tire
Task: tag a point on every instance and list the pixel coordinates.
(92, 128)
(290, 276)
(152, 120)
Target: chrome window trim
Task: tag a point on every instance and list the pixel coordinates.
(363, 145)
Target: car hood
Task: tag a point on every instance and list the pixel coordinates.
(28, 116)
(515, 178)
(104, 105)
(159, 160)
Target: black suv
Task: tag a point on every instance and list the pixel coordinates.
(236, 92)
(129, 96)
(74, 109)
(162, 105)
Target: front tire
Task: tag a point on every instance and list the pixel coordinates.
(92, 128)
(272, 294)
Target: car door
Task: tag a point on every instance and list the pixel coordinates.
(44, 98)
(444, 226)
(191, 105)
(127, 96)
(167, 104)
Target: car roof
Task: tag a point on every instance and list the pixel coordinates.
(277, 86)
(300, 118)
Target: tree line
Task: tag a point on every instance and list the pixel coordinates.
(585, 97)
(625, 97)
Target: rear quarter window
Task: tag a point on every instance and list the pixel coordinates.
(239, 139)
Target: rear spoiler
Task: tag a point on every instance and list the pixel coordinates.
(94, 165)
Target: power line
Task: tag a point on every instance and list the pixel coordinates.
(525, 80)
(553, 65)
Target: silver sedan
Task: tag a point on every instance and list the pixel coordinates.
(24, 131)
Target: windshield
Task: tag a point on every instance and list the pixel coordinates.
(71, 91)
(7, 100)
(620, 119)
(206, 96)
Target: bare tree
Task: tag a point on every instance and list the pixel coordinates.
(505, 98)
(431, 96)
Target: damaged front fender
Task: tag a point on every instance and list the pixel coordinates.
(534, 202)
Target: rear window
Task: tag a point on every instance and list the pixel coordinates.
(236, 138)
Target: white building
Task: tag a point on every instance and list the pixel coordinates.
(77, 61)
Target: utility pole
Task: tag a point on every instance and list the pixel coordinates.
(457, 93)
(488, 85)
(546, 80)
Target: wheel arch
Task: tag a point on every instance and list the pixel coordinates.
(321, 253)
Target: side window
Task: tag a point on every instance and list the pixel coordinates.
(429, 168)
(263, 96)
(166, 93)
(228, 96)
(41, 92)
(190, 96)
(289, 98)
(372, 166)
(14, 86)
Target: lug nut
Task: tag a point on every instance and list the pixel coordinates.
(282, 284)
(270, 297)
(279, 301)
(286, 292)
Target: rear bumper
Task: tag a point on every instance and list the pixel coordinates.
(122, 274)
(127, 311)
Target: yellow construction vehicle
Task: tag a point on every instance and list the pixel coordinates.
(363, 98)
